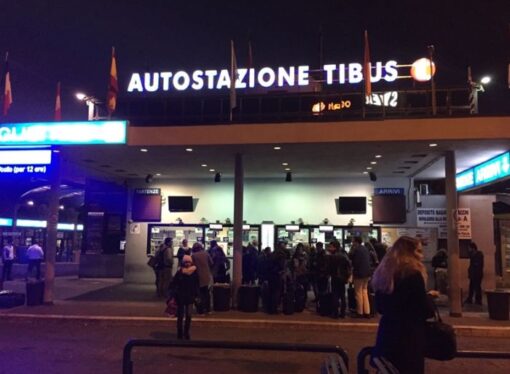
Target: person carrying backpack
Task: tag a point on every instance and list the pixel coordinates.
(164, 258)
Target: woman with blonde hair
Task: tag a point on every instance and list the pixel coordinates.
(402, 300)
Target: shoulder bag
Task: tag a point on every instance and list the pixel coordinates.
(440, 339)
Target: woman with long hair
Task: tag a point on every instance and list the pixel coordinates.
(402, 300)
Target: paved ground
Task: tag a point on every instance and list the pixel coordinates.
(70, 346)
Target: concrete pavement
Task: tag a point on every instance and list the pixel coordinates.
(114, 301)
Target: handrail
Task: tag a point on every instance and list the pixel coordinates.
(127, 363)
(366, 351)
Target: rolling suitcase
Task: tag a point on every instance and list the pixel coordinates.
(221, 297)
(248, 298)
(35, 293)
(9, 299)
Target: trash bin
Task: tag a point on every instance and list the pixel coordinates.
(35, 293)
(498, 302)
(221, 297)
(248, 298)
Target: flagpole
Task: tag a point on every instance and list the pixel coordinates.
(432, 82)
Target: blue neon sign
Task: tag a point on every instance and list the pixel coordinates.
(5, 221)
(489, 171)
(61, 133)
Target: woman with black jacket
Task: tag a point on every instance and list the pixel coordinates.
(404, 304)
(184, 288)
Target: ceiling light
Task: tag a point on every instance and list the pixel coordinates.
(365, 172)
(158, 174)
(285, 163)
(30, 202)
(287, 169)
(373, 162)
(433, 145)
(204, 165)
(189, 149)
(212, 170)
(369, 167)
(378, 156)
(277, 148)
(144, 150)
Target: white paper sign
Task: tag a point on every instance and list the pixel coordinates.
(463, 218)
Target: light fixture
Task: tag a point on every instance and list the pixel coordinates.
(148, 178)
(287, 169)
(433, 145)
(92, 105)
(365, 172)
(30, 202)
(189, 149)
(373, 162)
(288, 177)
(158, 174)
(285, 164)
(144, 150)
(217, 177)
(369, 167)
(212, 170)
(277, 148)
(204, 165)
(485, 80)
(61, 207)
(378, 156)
(80, 96)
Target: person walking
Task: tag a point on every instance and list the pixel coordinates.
(164, 265)
(8, 260)
(361, 272)
(475, 273)
(402, 300)
(203, 264)
(339, 269)
(184, 287)
(35, 256)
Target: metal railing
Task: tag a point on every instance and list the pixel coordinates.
(127, 363)
(366, 352)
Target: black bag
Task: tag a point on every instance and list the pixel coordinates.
(9, 299)
(440, 339)
(325, 304)
(248, 298)
(289, 299)
(221, 297)
(351, 297)
(300, 298)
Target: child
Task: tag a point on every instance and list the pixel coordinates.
(185, 288)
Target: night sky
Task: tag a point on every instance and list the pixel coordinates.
(70, 41)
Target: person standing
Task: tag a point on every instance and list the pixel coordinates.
(475, 273)
(182, 251)
(219, 263)
(164, 265)
(203, 263)
(402, 300)
(8, 260)
(35, 256)
(249, 264)
(185, 287)
(361, 272)
(440, 266)
(339, 269)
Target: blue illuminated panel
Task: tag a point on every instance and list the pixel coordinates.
(5, 221)
(55, 133)
(489, 171)
(30, 223)
(20, 162)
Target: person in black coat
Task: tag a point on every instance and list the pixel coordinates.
(475, 273)
(404, 304)
(339, 269)
(184, 288)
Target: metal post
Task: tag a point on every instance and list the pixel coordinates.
(452, 236)
(51, 231)
(432, 82)
(238, 224)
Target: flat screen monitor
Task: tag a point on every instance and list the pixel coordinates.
(389, 209)
(352, 205)
(146, 208)
(180, 203)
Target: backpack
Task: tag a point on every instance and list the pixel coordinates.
(159, 259)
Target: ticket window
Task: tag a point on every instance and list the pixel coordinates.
(158, 234)
(366, 234)
(293, 235)
(326, 235)
(224, 237)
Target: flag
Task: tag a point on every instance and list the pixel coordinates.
(58, 105)
(250, 55)
(233, 78)
(113, 86)
(7, 87)
(366, 67)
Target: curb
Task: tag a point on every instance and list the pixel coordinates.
(461, 330)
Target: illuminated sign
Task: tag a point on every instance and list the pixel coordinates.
(246, 227)
(216, 226)
(386, 99)
(330, 106)
(41, 224)
(325, 228)
(38, 133)
(30, 223)
(291, 76)
(148, 191)
(489, 171)
(388, 191)
(292, 227)
(24, 161)
(5, 221)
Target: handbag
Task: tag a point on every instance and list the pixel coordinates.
(440, 339)
(153, 261)
(171, 307)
